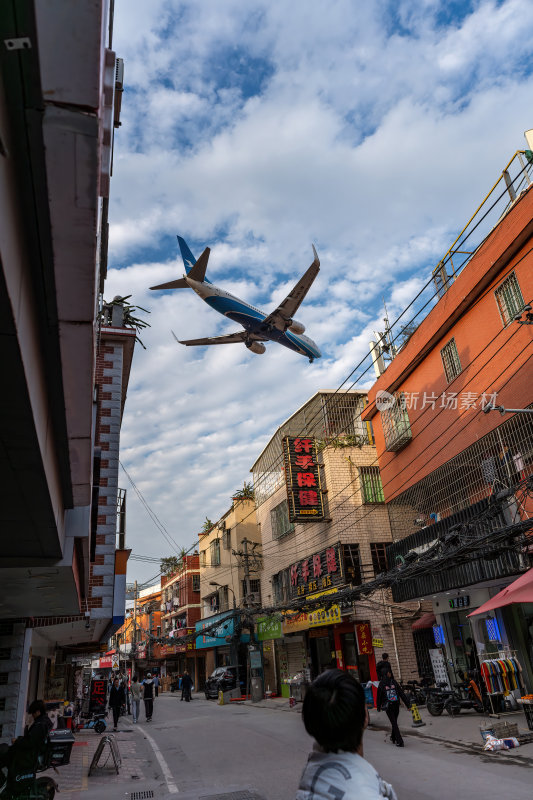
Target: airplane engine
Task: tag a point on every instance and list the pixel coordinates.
(256, 347)
(296, 327)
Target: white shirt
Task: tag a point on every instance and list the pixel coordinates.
(345, 776)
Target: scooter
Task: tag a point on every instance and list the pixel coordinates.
(20, 781)
(97, 723)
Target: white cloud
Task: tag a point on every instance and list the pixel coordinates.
(257, 129)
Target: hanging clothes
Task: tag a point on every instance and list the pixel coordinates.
(501, 675)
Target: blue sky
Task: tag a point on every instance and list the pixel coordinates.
(371, 129)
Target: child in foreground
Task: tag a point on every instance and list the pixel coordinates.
(335, 714)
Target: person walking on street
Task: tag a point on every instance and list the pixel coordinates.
(388, 700)
(156, 685)
(383, 666)
(334, 713)
(117, 700)
(136, 696)
(148, 696)
(186, 686)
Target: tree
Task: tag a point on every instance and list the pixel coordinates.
(169, 565)
(246, 493)
(206, 527)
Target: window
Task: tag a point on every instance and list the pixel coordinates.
(450, 360)
(226, 539)
(279, 519)
(255, 586)
(214, 552)
(203, 558)
(352, 563)
(196, 583)
(509, 299)
(371, 486)
(396, 425)
(378, 551)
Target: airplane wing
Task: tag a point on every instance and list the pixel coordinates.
(286, 310)
(229, 338)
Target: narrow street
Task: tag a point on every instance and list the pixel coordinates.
(203, 750)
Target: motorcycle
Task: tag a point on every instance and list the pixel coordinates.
(19, 781)
(463, 697)
(97, 723)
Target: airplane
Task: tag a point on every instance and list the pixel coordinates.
(258, 327)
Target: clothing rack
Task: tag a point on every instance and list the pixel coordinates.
(501, 673)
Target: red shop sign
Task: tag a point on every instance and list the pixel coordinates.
(364, 639)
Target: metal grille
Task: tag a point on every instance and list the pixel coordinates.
(378, 551)
(330, 417)
(451, 361)
(509, 298)
(144, 794)
(371, 485)
(279, 518)
(396, 425)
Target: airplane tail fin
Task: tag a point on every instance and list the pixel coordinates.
(188, 258)
(196, 272)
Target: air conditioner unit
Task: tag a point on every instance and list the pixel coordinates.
(221, 525)
(119, 73)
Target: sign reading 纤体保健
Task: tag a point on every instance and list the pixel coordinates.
(320, 571)
(268, 628)
(302, 479)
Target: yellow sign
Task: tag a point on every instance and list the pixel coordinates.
(377, 642)
(300, 621)
(322, 616)
(294, 622)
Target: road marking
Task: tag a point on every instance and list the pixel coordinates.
(172, 788)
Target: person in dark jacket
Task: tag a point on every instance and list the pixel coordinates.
(117, 700)
(389, 695)
(383, 666)
(148, 696)
(186, 686)
(32, 744)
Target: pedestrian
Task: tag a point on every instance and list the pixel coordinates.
(383, 666)
(136, 696)
(117, 700)
(334, 712)
(148, 696)
(156, 685)
(24, 750)
(388, 700)
(186, 686)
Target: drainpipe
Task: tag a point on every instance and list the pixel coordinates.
(395, 645)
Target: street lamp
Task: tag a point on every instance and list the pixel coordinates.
(490, 407)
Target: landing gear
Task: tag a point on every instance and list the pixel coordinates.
(311, 360)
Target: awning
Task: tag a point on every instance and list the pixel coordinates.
(519, 591)
(427, 620)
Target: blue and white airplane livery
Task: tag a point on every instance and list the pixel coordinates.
(258, 327)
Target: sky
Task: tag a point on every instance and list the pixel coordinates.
(372, 130)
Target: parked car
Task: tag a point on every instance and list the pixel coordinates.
(222, 679)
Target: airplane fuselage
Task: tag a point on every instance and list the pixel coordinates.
(251, 319)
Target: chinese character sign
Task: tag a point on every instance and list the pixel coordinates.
(316, 573)
(302, 478)
(364, 639)
(97, 696)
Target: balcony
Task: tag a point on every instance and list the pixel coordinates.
(395, 423)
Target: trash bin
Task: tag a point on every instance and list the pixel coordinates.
(60, 747)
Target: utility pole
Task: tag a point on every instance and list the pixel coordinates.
(246, 570)
(134, 642)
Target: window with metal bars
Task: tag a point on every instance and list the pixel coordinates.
(395, 423)
(279, 520)
(214, 552)
(509, 298)
(352, 563)
(203, 558)
(378, 551)
(451, 361)
(196, 583)
(226, 539)
(255, 586)
(371, 486)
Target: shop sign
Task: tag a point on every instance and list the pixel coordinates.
(323, 616)
(364, 638)
(294, 622)
(216, 635)
(319, 571)
(302, 478)
(141, 651)
(377, 642)
(268, 628)
(463, 601)
(106, 663)
(255, 659)
(97, 696)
